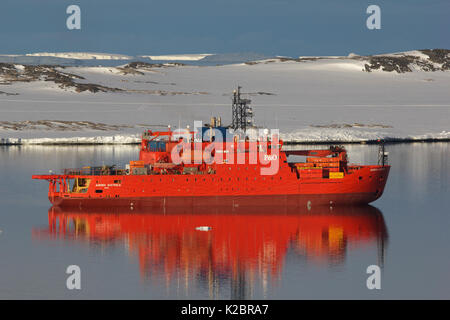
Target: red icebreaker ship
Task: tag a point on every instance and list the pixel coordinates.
(201, 167)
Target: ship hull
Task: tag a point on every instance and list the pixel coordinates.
(362, 186)
(307, 200)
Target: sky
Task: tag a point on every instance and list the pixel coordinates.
(272, 27)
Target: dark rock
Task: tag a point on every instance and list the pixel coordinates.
(438, 55)
(398, 64)
(49, 73)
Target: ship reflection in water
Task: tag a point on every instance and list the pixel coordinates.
(223, 246)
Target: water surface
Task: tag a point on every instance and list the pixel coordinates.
(249, 253)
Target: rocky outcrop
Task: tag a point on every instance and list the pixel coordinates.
(60, 125)
(441, 56)
(438, 60)
(10, 73)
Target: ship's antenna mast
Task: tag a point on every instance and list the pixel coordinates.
(382, 154)
(242, 113)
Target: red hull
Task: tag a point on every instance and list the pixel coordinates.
(307, 200)
(361, 187)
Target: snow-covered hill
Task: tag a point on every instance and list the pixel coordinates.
(81, 55)
(177, 57)
(399, 96)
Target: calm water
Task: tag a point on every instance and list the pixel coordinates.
(273, 253)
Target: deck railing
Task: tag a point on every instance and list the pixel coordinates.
(95, 171)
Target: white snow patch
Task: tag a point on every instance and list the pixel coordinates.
(81, 55)
(303, 135)
(322, 57)
(415, 53)
(116, 139)
(181, 57)
(336, 65)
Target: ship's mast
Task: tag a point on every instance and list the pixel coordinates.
(382, 154)
(242, 113)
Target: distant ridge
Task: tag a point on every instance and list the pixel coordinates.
(400, 62)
